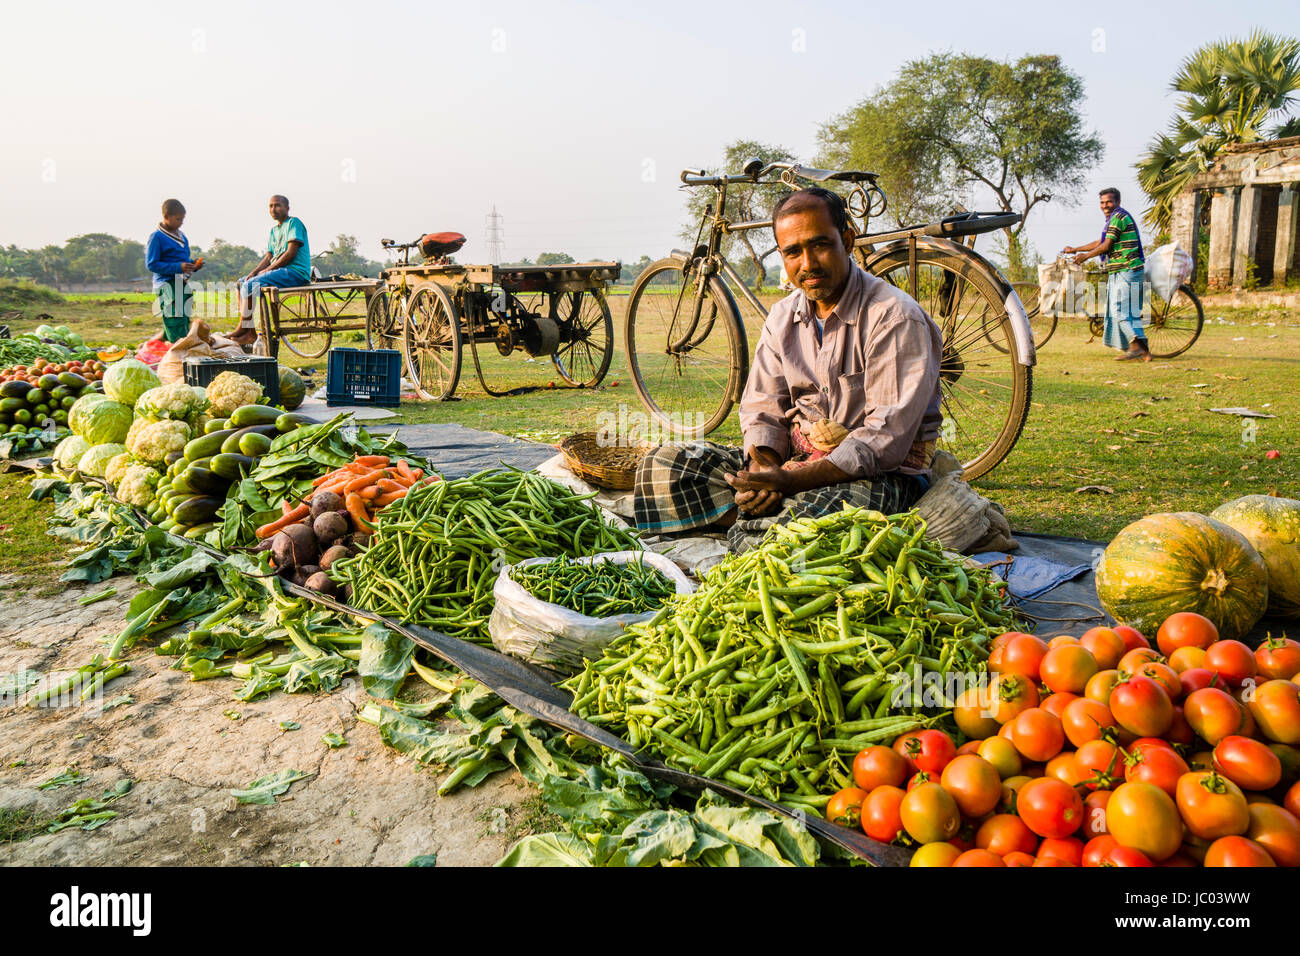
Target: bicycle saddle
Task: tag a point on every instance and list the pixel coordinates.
(829, 175)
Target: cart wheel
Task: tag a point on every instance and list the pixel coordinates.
(1174, 324)
(586, 337)
(491, 366)
(383, 317)
(306, 334)
(431, 343)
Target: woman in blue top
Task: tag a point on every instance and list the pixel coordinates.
(167, 256)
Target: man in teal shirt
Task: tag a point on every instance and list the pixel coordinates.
(286, 262)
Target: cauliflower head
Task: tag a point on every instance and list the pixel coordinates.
(177, 401)
(138, 486)
(117, 467)
(156, 440)
(229, 391)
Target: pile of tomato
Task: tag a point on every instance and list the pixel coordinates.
(1101, 751)
(91, 371)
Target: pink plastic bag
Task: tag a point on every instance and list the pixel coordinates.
(151, 351)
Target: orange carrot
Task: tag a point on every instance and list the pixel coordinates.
(297, 514)
(370, 492)
(389, 498)
(389, 484)
(372, 461)
(286, 506)
(356, 484)
(357, 509)
(417, 474)
(404, 470)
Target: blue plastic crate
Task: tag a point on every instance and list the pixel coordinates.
(364, 377)
(261, 369)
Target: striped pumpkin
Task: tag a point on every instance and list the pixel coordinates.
(1272, 525)
(1183, 561)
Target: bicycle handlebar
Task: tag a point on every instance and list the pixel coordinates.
(755, 170)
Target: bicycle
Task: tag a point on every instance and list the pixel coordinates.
(689, 378)
(1171, 326)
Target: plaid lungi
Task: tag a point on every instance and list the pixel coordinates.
(679, 486)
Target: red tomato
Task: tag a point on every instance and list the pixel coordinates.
(1105, 645)
(1277, 830)
(879, 766)
(1213, 714)
(902, 746)
(1247, 763)
(969, 747)
(1037, 735)
(978, 857)
(1064, 768)
(1017, 858)
(1095, 850)
(929, 814)
(974, 783)
(1278, 658)
(920, 777)
(1237, 851)
(1141, 706)
(1022, 655)
(1100, 764)
(1085, 719)
(1232, 659)
(1069, 849)
(1005, 833)
(1212, 806)
(1050, 861)
(1185, 658)
(1180, 731)
(1292, 799)
(1185, 629)
(845, 807)
(1049, 807)
(1276, 709)
(1166, 677)
(1094, 813)
(1126, 856)
(932, 751)
(1143, 816)
(1133, 660)
(1197, 678)
(880, 815)
(1067, 668)
(1055, 704)
(1161, 766)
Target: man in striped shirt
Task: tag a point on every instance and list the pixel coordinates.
(1120, 248)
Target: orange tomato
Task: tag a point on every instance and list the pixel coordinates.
(880, 813)
(969, 713)
(1002, 754)
(1161, 766)
(1211, 805)
(845, 806)
(1185, 658)
(1094, 813)
(878, 766)
(935, 854)
(1104, 645)
(973, 783)
(1196, 678)
(1213, 714)
(1067, 668)
(1141, 706)
(1100, 685)
(1133, 660)
(1100, 764)
(1180, 731)
(1011, 694)
(1060, 639)
(1165, 676)
(1237, 851)
(1037, 734)
(1095, 850)
(1247, 763)
(1143, 816)
(1277, 830)
(930, 814)
(1276, 709)
(1069, 849)
(969, 747)
(1185, 629)
(1022, 655)
(978, 857)
(1278, 658)
(1055, 704)
(1064, 768)
(1084, 719)
(1010, 792)
(1126, 856)
(1291, 801)
(1233, 660)
(1017, 858)
(1050, 861)
(1005, 833)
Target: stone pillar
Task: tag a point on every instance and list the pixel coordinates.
(1248, 206)
(1288, 216)
(1223, 230)
(1183, 228)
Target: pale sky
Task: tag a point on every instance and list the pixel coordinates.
(390, 119)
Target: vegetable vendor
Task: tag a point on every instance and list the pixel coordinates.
(842, 404)
(167, 256)
(286, 262)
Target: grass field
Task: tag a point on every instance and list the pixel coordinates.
(1144, 432)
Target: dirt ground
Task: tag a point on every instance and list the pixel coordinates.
(182, 746)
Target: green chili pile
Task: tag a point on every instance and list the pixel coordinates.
(596, 589)
(435, 554)
(792, 657)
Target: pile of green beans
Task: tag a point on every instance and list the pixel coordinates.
(435, 554)
(782, 666)
(598, 588)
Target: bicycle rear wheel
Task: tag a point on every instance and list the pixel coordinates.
(383, 330)
(1042, 325)
(688, 369)
(1175, 324)
(985, 389)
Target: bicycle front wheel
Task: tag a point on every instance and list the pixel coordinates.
(1042, 325)
(985, 389)
(1174, 324)
(688, 365)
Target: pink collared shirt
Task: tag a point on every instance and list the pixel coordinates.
(875, 371)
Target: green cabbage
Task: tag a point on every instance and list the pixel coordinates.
(81, 407)
(69, 451)
(128, 379)
(106, 422)
(95, 461)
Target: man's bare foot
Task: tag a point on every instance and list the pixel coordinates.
(243, 336)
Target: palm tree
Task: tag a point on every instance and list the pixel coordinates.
(1231, 88)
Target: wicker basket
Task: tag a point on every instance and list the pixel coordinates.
(605, 466)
